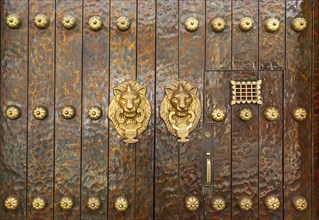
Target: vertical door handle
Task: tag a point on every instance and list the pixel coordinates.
(208, 169)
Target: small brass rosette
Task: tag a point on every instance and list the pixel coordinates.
(121, 204)
(38, 203)
(95, 113)
(246, 204)
(95, 23)
(93, 203)
(299, 114)
(219, 204)
(41, 21)
(271, 114)
(11, 203)
(246, 24)
(191, 24)
(68, 112)
(245, 114)
(66, 203)
(218, 114)
(123, 23)
(192, 203)
(13, 21)
(272, 202)
(40, 112)
(300, 203)
(69, 22)
(299, 24)
(218, 25)
(13, 112)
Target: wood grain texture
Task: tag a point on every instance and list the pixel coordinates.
(244, 44)
(13, 133)
(218, 45)
(95, 93)
(41, 93)
(217, 95)
(270, 145)
(68, 92)
(191, 68)
(297, 138)
(166, 147)
(146, 76)
(244, 155)
(122, 156)
(271, 45)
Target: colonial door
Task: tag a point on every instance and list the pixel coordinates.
(167, 109)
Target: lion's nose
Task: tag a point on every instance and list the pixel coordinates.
(182, 105)
(129, 105)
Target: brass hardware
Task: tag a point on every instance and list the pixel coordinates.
(219, 204)
(299, 24)
(68, 22)
(192, 203)
(300, 203)
(130, 110)
(40, 112)
(271, 114)
(208, 169)
(246, 24)
(121, 204)
(207, 134)
(246, 92)
(191, 24)
(95, 113)
(93, 203)
(123, 23)
(13, 21)
(38, 203)
(272, 202)
(246, 204)
(41, 21)
(95, 23)
(299, 114)
(68, 112)
(272, 25)
(66, 203)
(245, 114)
(13, 112)
(218, 114)
(11, 203)
(181, 109)
(218, 25)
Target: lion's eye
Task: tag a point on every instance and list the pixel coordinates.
(123, 100)
(175, 99)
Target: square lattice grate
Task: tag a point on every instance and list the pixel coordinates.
(246, 92)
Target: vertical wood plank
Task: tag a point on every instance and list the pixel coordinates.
(13, 142)
(95, 93)
(41, 93)
(244, 155)
(122, 67)
(146, 76)
(191, 68)
(244, 44)
(68, 92)
(297, 138)
(270, 145)
(271, 45)
(166, 147)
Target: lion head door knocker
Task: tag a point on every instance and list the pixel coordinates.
(181, 109)
(129, 110)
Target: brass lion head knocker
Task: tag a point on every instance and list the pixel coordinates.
(129, 110)
(181, 109)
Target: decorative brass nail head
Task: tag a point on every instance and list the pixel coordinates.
(11, 203)
(68, 22)
(95, 113)
(271, 25)
(13, 21)
(218, 114)
(246, 204)
(219, 204)
(93, 203)
(191, 24)
(40, 112)
(245, 114)
(218, 25)
(95, 23)
(123, 23)
(271, 114)
(121, 204)
(300, 203)
(38, 203)
(66, 203)
(13, 112)
(272, 202)
(192, 203)
(41, 21)
(299, 24)
(246, 24)
(299, 114)
(68, 112)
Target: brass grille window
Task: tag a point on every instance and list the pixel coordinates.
(246, 92)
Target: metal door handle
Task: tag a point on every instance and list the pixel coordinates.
(208, 169)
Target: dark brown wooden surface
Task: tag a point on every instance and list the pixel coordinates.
(41, 93)
(122, 156)
(146, 76)
(68, 92)
(95, 93)
(13, 142)
(297, 93)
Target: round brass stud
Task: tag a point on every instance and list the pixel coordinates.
(11, 203)
(272, 202)
(121, 204)
(40, 112)
(66, 203)
(299, 24)
(218, 25)
(191, 24)
(13, 112)
(95, 23)
(68, 22)
(95, 113)
(245, 114)
(123, 23)
(192, 203)
(13, 21)
(299, 114)
(68, 112)
(218, 114)
(272, 25)
(271, 114)
(38, 203)
(207, 134)
(93, 203)
(41, 21)
(219, 204)
(246, 204)
(246, 24)
(300, 203)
